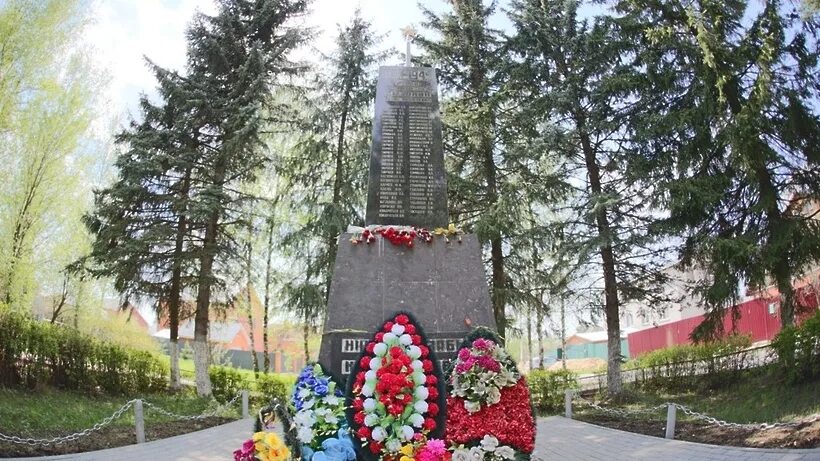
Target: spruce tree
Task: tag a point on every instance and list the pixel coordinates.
(326, 170)
(574, 70)
(732, 130)
(142, 233)
(468, 57)
(233, 59)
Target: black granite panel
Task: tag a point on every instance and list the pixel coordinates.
(407, 183)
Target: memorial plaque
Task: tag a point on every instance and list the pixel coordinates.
(407, 181)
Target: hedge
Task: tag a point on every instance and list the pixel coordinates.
(798, 349)
(36, 354)
(226, 382)
(547, 389)
(680, 367)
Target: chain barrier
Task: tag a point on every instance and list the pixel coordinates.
(625, 413)
(70, 437)
(619, 412)
(207, 414)
(117, 414)
(761, 426)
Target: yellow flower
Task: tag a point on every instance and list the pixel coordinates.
(273, 440)
(407, 449)
(258, 436)
(406, 458)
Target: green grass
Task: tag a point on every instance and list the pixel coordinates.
(186, 369)
(43, 413)
(759, 396)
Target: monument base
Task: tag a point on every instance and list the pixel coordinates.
(442, 284)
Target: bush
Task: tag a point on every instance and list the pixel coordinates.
(269, 387)
(226, 382)
(684, 366)
(547, 389)
(798, 349)
(35, 354)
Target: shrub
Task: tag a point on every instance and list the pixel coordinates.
(710, 364)
(272, 386)
(798, 349)
(226, 382)
(547, 389)
(35, 354)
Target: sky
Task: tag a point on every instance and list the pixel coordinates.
(123, 32)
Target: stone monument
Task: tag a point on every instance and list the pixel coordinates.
(441, 283)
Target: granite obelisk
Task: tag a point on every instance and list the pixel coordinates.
(443, 284)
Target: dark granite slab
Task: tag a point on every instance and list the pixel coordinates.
(407, 183)
(442, 284)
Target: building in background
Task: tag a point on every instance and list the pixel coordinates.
(236, 332)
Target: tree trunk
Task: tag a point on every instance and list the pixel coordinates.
(783, 279)
(202, 357)
(58, 308)
(266, 307)
(175, 292)
(529, 338)
(305, 333)
(539, 325)
(611, 306)
(248, 276)
(563, 335)
(23, 224)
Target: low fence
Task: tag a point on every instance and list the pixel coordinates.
(671, 415)
(742, 360)
(139, 407)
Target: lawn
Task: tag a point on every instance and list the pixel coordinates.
(758, 396)
(45, 413)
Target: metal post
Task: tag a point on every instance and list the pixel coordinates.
(671, 411)
(245, 403)
(568, 403)
(139, 421)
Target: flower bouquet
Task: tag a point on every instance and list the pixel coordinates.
(263, 446)
(319, 405)
(488, 402)
(395, 391)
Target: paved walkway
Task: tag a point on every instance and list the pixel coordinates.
(558, 439)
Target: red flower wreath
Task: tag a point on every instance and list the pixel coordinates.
(394, 394)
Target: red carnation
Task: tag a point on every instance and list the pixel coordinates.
(427, 365)
(432, 392)
(388, 326)
(432, 409)
(395, 410)
(358, 403)
(369, 347)
(425, 351)
(402, 319)
(375, 447)
(410, 329)
(429, 424)
(359, 417)
(364, 363)
(431, 380)
(395, 352)
(510, 421)
(363, 432)
(380, 336)
(416, 339)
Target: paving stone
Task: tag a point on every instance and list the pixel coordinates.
(557, 439)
